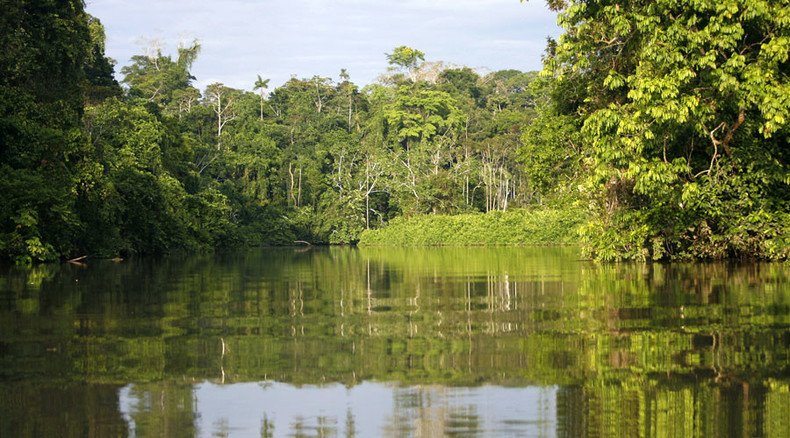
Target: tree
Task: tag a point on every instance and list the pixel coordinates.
(222, 100)
(419, 115)
(686, 108)
(42, 152)
(99, 70)
(351, 93)
(406, 58)
(261, 85)
(422, 125)
(155, 77)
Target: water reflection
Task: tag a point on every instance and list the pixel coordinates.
(466, 342)
(367, 409)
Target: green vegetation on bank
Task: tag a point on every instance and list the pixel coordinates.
(513, 227)
(684, 110)
(667, 121)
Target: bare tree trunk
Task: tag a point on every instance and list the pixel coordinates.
(466, 190)
(507, 193)
(350, 111)
(299, 197)
(291, 189)
(219, 114)
(367, 195)
(319, 103)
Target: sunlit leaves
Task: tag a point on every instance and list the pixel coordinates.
(680, 93)
(418, 115)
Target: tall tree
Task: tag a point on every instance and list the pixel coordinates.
(686, 109)
(155, 77)
(406, 59)
(42, 93)
(222, 101)
(261, 85)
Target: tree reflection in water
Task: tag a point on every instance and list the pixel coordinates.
(149, 347)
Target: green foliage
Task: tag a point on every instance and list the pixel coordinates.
(661, 127)
(157, 78)
(42, 83)
(99, 68)
(419, 115)
(550, 152)
(405, 57)
(461, 82)
(685, 112)
(631, 349)
(515, 227)
(164, 167)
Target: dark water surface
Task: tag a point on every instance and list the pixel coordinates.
(394, 342)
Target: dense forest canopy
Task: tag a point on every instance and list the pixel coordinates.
(663, 122)
(684, 113)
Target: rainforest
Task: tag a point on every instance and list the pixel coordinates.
(657, 130)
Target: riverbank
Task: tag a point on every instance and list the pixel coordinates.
(514, 227)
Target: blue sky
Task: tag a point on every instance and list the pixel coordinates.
(281, 38)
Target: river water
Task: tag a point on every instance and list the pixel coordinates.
(394, 342)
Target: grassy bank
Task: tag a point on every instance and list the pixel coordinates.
(515, 227)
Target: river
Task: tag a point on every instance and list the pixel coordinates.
(394, 342)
